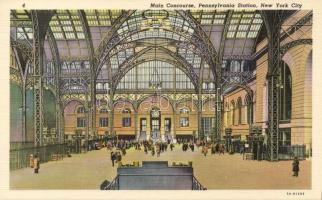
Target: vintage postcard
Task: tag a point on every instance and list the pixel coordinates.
(157, 99)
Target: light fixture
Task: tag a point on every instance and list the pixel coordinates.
(155, 82)
(153, 19)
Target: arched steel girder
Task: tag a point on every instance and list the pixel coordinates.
(223, 38)
(109, 40)
(133, 61)
(167, 97)
(200, 38)
(132, 44)
(165, 50)
(51, 89)
(206, 45)
(25, 49)
(292, 44)
(184, 63)
(15, 76)
(57, 62)
(198, 50)
(24, 54)
(54, 50)
(87, 33)
(20, 62)
(92, 61)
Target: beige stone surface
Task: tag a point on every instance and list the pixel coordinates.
(88, 171)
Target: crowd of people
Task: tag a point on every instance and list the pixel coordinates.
(118, 149)
(156, 148)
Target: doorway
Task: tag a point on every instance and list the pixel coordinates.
(155, 123)
(143, 126)
(167, 129)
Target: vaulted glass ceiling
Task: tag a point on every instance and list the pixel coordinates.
(66, 24)
(102, 17)
(145, 28)
(244, 25)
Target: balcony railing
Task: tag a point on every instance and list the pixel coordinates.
(196, 185)
(114, 185)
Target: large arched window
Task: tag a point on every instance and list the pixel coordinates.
(126, 119)
(81, 119)
(239, 109)
(226, 114)
(285, 87)
(233, 113)
(170, 77)
(184, 117)
(249, 109)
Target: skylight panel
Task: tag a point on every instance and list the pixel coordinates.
(230, 34)
(58, 35)
(206, 16)
(70, 35)
(232, 27)
(246, 21)
(255, 27)
(234, 21)
(218, 21)
(252, 34)
(243, 27)
(205, 21)
(220, 16)
(241, 34)
(80, 35)
(257, 21)
(67, 28)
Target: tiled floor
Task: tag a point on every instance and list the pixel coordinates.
(88, 171)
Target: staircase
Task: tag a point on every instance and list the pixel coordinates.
(154, 175)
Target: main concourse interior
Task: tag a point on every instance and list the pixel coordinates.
(234, 82)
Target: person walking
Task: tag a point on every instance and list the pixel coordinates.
(152, 150)
(36, 164)
(158, 149)
(213, 149)
(119, 156)
(221, 149)
(205, 150)
(296, 166)
(113, 158)
(123, 151)
(145, 149)
(171, 146)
